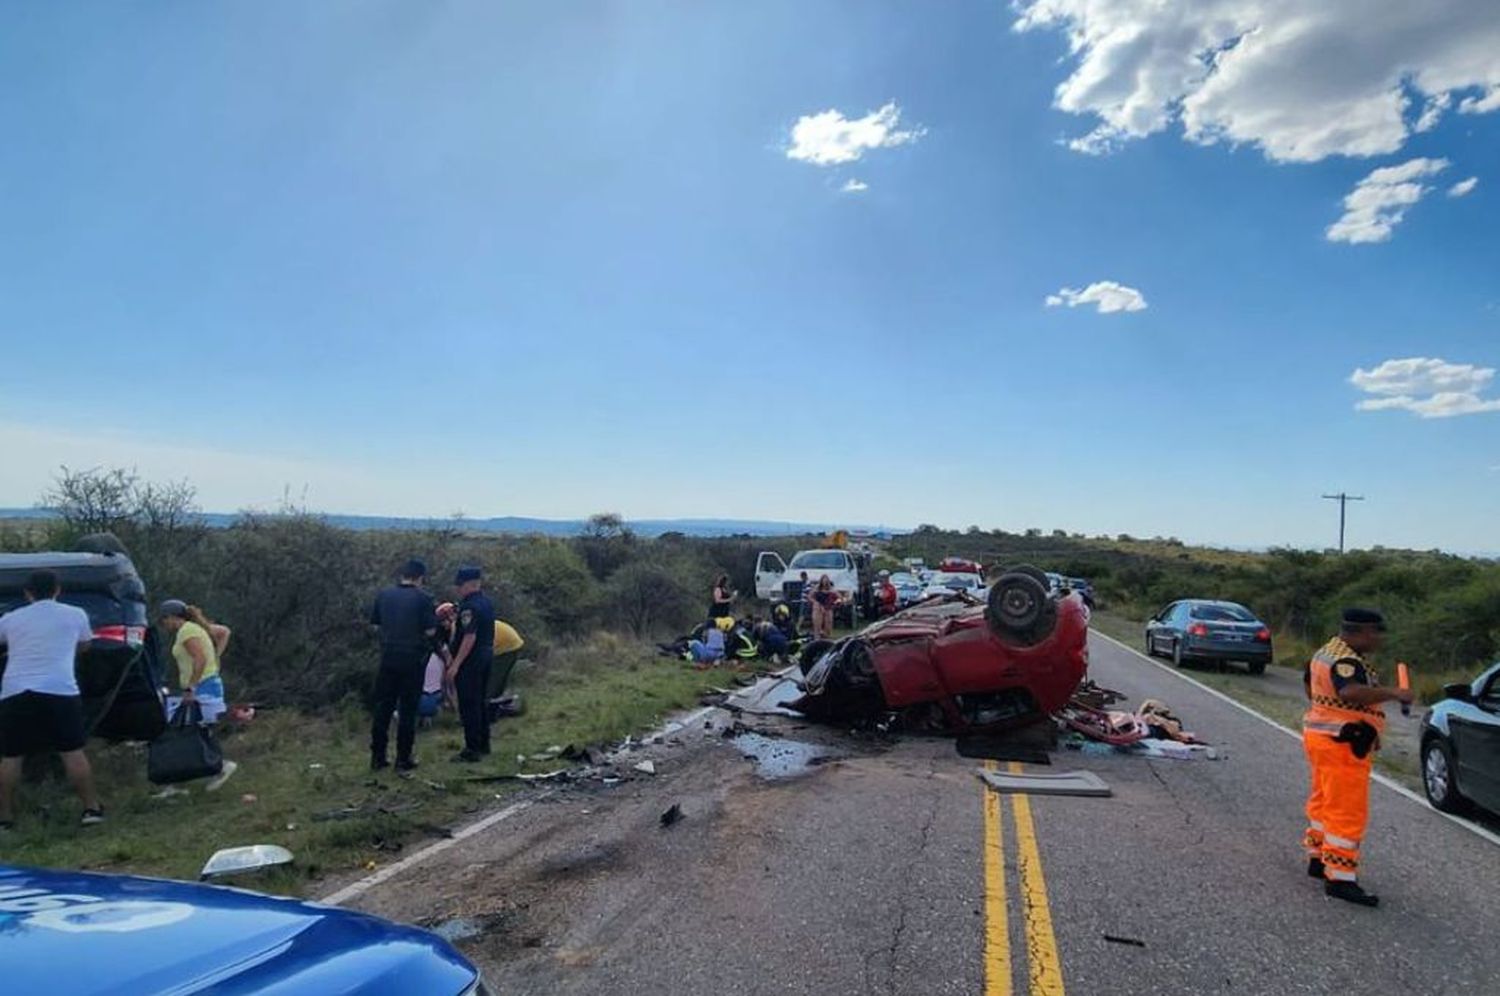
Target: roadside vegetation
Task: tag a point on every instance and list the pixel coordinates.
(1443, 610)
(304, 780)
(295, 589)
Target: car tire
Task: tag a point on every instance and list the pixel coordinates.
(1438, 777)
(1177, 658)
(1150, 645)
(1257, 667)
(1018, 605)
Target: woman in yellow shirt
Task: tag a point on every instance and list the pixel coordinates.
(197, 645)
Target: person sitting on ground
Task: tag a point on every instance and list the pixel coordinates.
(198, 644)
(41, 710)
(709, 648)
(825, 601)
(433, 686)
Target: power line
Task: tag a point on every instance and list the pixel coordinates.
(1343, 500)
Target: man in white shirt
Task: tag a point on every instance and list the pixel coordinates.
(40, 709)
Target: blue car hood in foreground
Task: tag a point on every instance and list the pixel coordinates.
(76, 933)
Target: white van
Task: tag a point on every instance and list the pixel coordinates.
(776, 580)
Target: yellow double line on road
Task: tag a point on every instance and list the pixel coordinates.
(1044, 966)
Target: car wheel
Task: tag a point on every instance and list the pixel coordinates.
(1257, 667)
(1438, 771)
(1177, 657)
(1150, 645)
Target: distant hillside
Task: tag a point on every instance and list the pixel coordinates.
(523, 525)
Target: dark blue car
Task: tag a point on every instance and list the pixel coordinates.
(74, 933)
(1197, 629)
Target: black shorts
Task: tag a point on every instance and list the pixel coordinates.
(38, 723)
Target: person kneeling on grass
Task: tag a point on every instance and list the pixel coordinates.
(40, 708)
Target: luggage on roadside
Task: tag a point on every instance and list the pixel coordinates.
(185, 750)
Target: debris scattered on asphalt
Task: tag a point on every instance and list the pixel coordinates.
(1148, 748)
(1111, 938)
(460, 928)
(776, 757)
(645, 767)
(1152, 721)
(1073, 783)
(673, 815)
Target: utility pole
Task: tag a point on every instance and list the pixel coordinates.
(1343, 500)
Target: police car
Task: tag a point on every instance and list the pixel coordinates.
(66, 933)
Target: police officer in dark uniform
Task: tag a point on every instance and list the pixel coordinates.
(473, 656)
(407, 620)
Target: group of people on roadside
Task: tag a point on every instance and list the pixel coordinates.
(431, 655)
(41, 709)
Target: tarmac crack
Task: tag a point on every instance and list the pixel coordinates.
(908, 875)
(1187, 815)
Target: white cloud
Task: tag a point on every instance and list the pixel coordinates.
(1463, 188)
(1106, 295)
(1433, 112)
(828, 138)
(1376, 205)
(1431, 388)
(1299, 80)
(854, 187)
(1482, 104)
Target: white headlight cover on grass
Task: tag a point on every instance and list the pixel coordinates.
(252, 857)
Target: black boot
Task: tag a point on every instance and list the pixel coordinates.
(1314, 867)
(378, 763)
(405, 764)
(1350, 892)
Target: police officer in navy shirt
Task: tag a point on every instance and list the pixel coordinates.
(407, 620)
(473, 656)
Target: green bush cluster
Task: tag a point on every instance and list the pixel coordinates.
(296, 589)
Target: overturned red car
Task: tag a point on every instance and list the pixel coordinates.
(956, 664)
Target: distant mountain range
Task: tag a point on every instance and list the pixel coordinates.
(524, 525)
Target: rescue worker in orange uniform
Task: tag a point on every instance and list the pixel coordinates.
(1341, 732)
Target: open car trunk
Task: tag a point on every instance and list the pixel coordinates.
(119, 675)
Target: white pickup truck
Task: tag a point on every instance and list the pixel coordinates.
(776, 580)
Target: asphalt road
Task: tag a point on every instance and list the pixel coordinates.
(891, 870)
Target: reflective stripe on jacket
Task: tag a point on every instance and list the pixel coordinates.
(1327, 713)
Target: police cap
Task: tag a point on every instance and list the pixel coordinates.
(1364, 618)
(467, 574)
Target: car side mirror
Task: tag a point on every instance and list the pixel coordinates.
(1459, 692)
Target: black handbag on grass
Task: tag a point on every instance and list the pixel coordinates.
(186, 749)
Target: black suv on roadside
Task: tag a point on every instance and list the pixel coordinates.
(119, 676)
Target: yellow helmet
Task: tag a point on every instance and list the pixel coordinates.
(725, 623)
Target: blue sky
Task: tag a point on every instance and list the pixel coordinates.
(551, 259)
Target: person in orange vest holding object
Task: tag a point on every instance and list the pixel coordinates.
(1341, 732)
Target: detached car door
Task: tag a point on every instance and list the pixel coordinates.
(769, 571)
(1476, 741)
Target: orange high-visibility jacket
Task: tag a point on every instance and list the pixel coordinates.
(1327, 712)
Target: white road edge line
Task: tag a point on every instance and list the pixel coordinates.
(1388, 782)
(359, 888)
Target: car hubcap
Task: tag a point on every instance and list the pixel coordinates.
(1436, 770)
